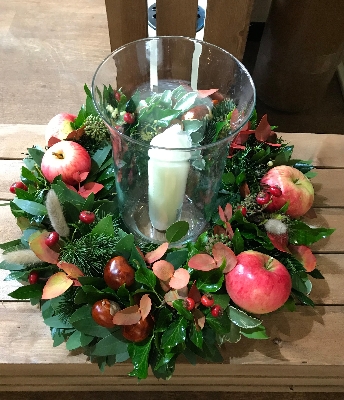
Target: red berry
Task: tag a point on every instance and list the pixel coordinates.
(243, 210)
(189, 303)
(275, 191)
(87, 217)
(52, 239)
(129, 118)
(216, 311)
(117, 95)
(207, 300)
(263, 198)
(33, 277)
(17, 185)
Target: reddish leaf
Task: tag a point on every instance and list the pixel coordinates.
(221, 252)
(305, 256)
(171, 296)
(228, 211)
(206, 93)
(219, 230)
(222, 214)
(128, 316)
(145, 306)
(71, 187)
(165, 286)
(179, 279)
(42, 251)
(234, 118)
(56, 285)
(280, 242)
(163, 270)
(183, 292)
(70, 269)
(90, 187)
(76, 134)
(229, 230)
(263, 130)
(79, 177)
(194, 293)
(202, 262)
(199, 318)
(244, 190)
(156, 254)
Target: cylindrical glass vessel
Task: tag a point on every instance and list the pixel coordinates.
(172, 106)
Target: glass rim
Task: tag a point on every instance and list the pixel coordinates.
(189, 39)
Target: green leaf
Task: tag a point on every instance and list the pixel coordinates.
(125, 245)
(11, 267)
(315, 274)
(179, 306)
(104, 226)
(85, 339)
(228, 178)
(221, 325)
(145, 276)
(97, 282)
(31, 207)
(210, 281)
(240, 178)
(177, 258)
(238, 242)
(258, 332)
(302, 297)
(81, 313)
(110, 345)
(290, 304)
(221, 299)
(66, 195)
(55, 322)
(74, 341)
(100, 155)
(58, 337)
(186, 102)
(36, 155)
(164, 320)
(27, 292)
(177, 231)
(196, 336)
(233, 336)
(89, 327)
(302, 234)
(139, 354)
(27, 176)
(175, 334)
(299, 284)
(242, 319)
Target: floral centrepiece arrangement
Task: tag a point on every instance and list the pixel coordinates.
(115, 297)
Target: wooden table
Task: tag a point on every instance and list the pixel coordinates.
(305, 351)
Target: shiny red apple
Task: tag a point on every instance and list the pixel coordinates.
(58, 128)
(65, 158)
(295, 188)
(258, 283)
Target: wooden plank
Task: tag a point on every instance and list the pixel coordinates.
(288, 358)
(325, 150)
(127, 21)
(227, 23)
(176, 18)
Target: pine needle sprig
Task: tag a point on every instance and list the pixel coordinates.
(67, 306)
(90, 253)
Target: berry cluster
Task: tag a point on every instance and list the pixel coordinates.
(207, 301)
(265, 195)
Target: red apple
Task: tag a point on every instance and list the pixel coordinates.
(296, 189)
(58, 128)
(258, 283)
(65, 158)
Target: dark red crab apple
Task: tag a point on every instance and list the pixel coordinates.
(65, 158)
(258, 283)
(295, 188)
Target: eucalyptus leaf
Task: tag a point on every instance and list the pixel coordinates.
(31, 207)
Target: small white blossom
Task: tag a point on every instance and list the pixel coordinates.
(276, 226)
(110, 108)
(270, 163)
(114, 113)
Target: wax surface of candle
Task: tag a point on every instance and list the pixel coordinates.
(167, 176)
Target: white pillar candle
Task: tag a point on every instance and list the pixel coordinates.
(167, 175)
